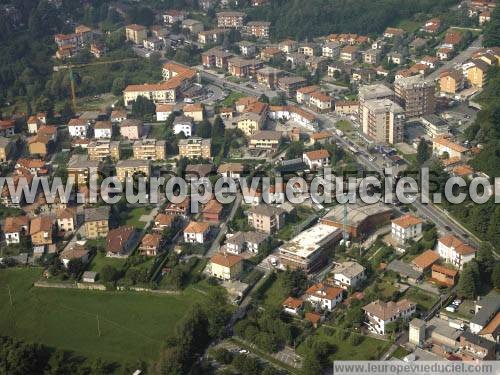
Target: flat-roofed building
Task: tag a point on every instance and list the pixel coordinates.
(416, 95)
(434, 125)
(101, 149)
(195, 147)
(306, 250)
(231, 19)
(80, 168)
(131, 167)
(149, 149)
(265, 140)
(382, 120)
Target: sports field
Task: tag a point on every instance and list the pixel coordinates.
(132, 325)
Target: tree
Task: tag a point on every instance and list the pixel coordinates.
(466, 286)
(423, 152)
(204, 129)
(218, 127)
(491, 30)
(495, 276)
(142, 107)
(108, 273)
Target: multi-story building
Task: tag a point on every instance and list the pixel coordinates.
(196, 232)
(231, 19)
(407, 227)
(324, 296)
(103, 129)
(316, 159)
(348, 275)
(101, 149)
(41, 230)
(226, 266)
(379, 314)
(216, 57)
(78, 127)
(415, 95)
(267, 219)
(195, 147)
(135, 33)
(250, 123)
(290, 84)
(6, 147)
(265, 140)
(372, 56)
(268, 76)
(96, 222)
(14, 228)
(382, 120)
(444, 145)
(183, 124)
(163, 92)
(213, 36)
(375, 91)
(454, 251)
(320, 101)
(149, 149)
(477, 75)
(131, 129)
(451, 82)
(243, 68)
(303, 94)
(331, 50)
(66, 220)
(80, 168)
(129, 168)
(259, 29)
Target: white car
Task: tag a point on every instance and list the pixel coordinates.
(244, 351)
(451, 308)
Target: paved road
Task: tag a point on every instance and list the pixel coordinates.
(458, 59)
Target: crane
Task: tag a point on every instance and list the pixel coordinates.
(70, 67)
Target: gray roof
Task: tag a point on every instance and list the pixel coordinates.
(478, 340)
(97, 213)
(183, 120)
(132, 163)
(416, 322)
(89, 275)
(267, 134)
(79, 161)
(349, 269)
(489, 307)
(130, 122)
(266, 210)
(442, 328)
(404, 269)
(247, 237)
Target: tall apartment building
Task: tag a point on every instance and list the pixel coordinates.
(195, 147)
(149, 149)
(382, 120)
(130, 167)
(376, 91)
(101, 149)
(231, 19)
(415, 95)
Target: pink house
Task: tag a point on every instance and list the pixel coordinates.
(131, 129)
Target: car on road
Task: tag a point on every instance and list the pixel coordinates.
(447, 228)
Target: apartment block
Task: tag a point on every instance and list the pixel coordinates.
(415, 95)
(149, 149)
(382, 120)
(101, 149)
(131, 167)
(195, 147)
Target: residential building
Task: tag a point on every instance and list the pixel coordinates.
(372, 56)
(451, 82)
(290, 84)
(131, 129)
(320, 101)
(416, 96)
(417, 331)
(213, 37)
(379, 314)
(485, 311)
(432, 26)
(309, 49)
(303, 93)
(153, 44)
(118, 115)
(103, 129)
(7, 128)
(132, 167)
(323, 296)
(231, 19)
(101, 149)
(292, 306)
(347, 107)
(243, 68)
(135, 33)
(41, 230)
(348, 274)
(183, 124)
(149, 149)
(247, 49)
(259, 29)
(40, 145)
(193, 26)
(245, 241)
(265, 140)
(212, 211)
(265, 218)
(477, 75)
(66, 220)
(474, 348)
(6, 148)
(195, 147)
(382, 120)
(250, 123)
(306, 250)
(406, 227)
(96, 222)
(172, 16)
(120, 241)
(14, 228)
(424, 261)
(216, 58)
(322, 137)
(288, 46)
(81, 169)
(444, 275)
(226, 266)
(268, 76)
(375, 91)
(150, 244)
(392, 32)
(349, 53)
(196, 232)
(75, 250)
(163, 92)
(163, 111)
(195, 111)
(443, 145)
(316, 159)
(454, 251)
(331, 50)
(78, 127)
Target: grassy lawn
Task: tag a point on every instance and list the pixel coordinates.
(232, 98)
(133, 325)
(400, 353)
(274, 295)
(409, 26)
(344, 125)
(100, 260)
(134, 215)
(423, 299)
(369, 348)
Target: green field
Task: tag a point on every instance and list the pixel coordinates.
(133, 325)
(134, 215)
(100, 260)
(424, 300)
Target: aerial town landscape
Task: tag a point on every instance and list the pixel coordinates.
(265, 278)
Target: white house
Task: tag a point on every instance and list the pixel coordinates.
(406, 227)
(292, 305)
(78, 127)
(183, 124)
(378, 314)
(66, 220)
(454, 251)
(231, 170)
(196, 232)
(348, 274)
(316, 159)
(14, 227)
(103, 129)
(163, 111)
(241, 241)
(324, 297)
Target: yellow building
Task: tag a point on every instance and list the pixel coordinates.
(195, 147)
(226, 266)
(5, 149)
(97, 222)
(99, 150)
(163, 92)
(149, 149)
(135, 33)
(194, 110)
(81, 168)
(38, 145)
(128, 168)
(451, 82)
(477, 74)
(41, 230)
(250, 123)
